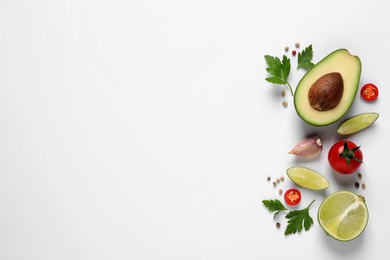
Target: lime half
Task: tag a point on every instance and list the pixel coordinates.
(343, 215)
(307, 178)
(357, 123)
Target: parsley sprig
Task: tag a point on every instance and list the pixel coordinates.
(305, 57)
(274, 206)
(278, 70)
(297, 219)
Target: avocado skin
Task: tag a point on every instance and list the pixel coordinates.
(341, 61)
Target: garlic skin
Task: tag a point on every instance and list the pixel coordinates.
(309, 147)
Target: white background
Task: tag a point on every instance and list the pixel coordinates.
(146, 130)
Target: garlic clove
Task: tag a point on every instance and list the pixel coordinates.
(309, 147)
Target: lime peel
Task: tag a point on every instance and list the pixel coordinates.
(307, 178)
(343, 215)
(357, 123)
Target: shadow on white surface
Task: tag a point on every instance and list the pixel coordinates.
(344, 179)
(345, 248)
(326, 133)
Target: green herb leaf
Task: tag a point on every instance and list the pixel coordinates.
(298, 219)
(305, 57)
(286, 65)
(274, 206)
(279, 70)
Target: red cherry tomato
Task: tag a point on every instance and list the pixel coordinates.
(292, 197)
(369, 92)
(345, 157)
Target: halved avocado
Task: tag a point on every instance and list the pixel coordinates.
(327, 91)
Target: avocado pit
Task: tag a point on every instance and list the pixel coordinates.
(325, 94)
(341, 61)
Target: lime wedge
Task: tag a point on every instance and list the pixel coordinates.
(357, 123)
(307, 178)
(343, 215)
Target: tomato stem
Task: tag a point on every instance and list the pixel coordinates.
(349, 154)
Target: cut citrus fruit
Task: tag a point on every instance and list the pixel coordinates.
(357, 123)
(307, 178)
(343, 215)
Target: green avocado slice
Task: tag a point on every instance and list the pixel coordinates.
(332, 96)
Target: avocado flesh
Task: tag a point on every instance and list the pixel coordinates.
(340, 61)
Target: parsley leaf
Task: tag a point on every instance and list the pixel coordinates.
(274, 206)
(279, 70)
(298, 219)
(305, 57)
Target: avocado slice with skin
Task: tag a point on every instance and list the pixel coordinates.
(327, 91)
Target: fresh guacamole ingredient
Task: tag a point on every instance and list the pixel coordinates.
(345, 157)
(299, 219)
(349, 68)
(292, 197)
(343, 215)
(274, 206)
(305, 57)
(278, 70)
(309, 147)
(307, 178)
(357, 123)
(369, 92)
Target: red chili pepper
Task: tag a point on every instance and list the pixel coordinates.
(369, 92)
(292, 197)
